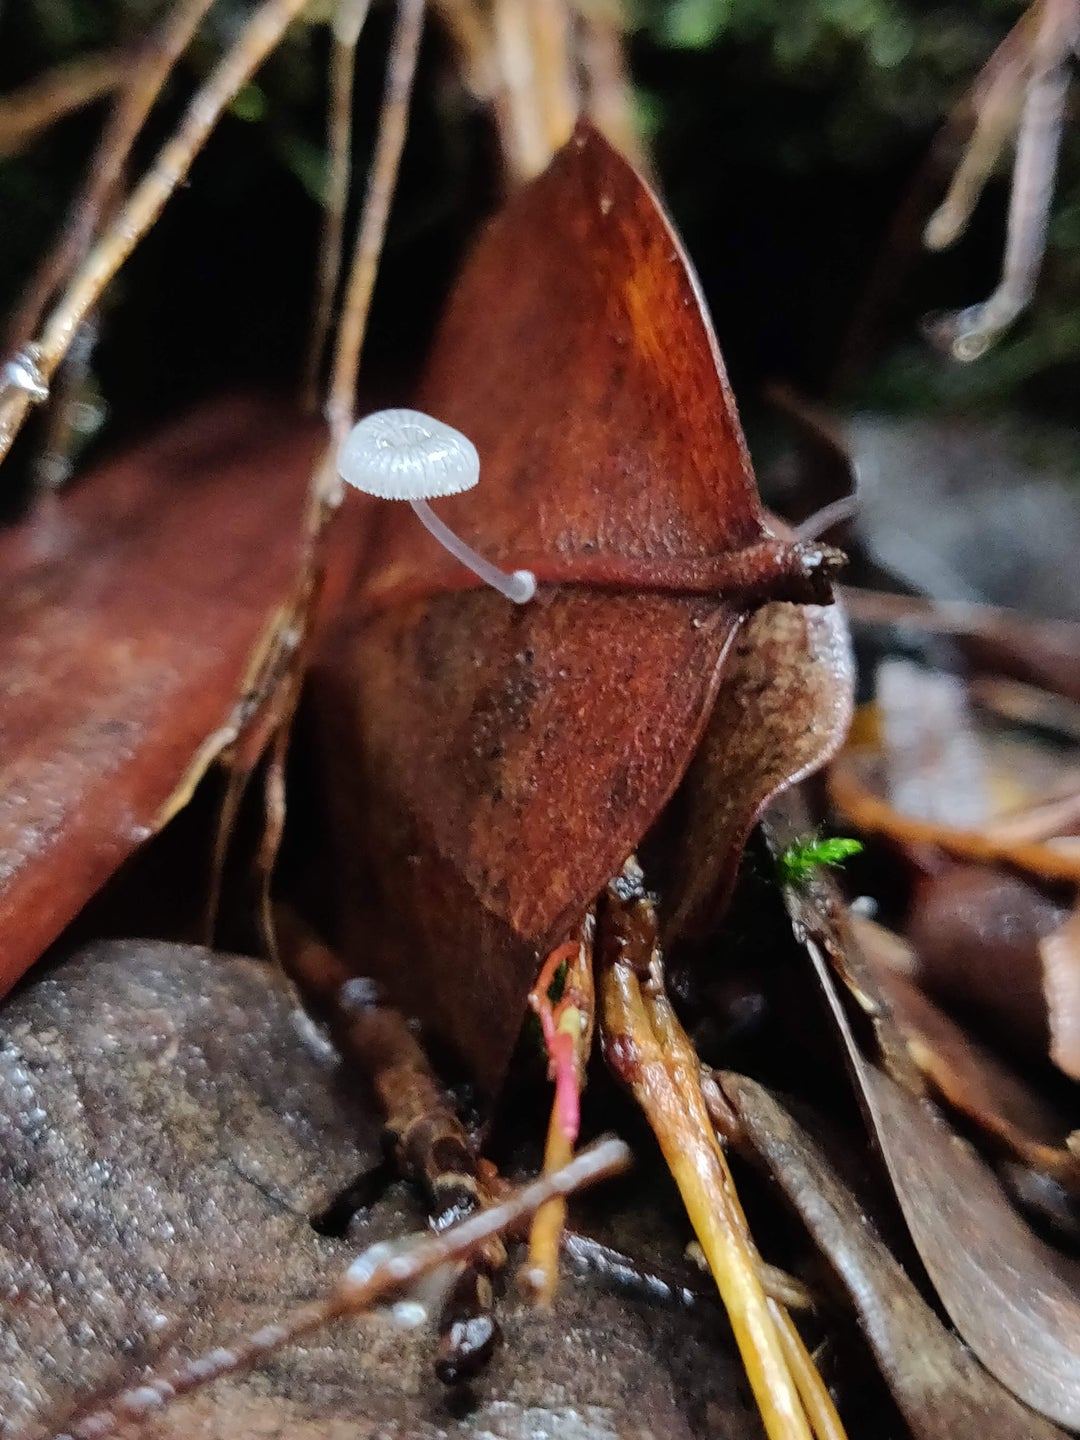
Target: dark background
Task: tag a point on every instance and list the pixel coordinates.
(786, 139)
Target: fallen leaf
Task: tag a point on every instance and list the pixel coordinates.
(932, 771)
(938, 1385)
(782, 711)
(143, 616)
(168, 1121)
(969, 1077)
(975, 932)
(998, 640)
(493, 765)
(1014, 1299)
(1060, 953)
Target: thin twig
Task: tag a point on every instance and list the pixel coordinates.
(466, 22)
(382, 181)
(556, 90)
(671, 1101)
(969, 333)
(381, 1271)
(348, 23)
(609, 91)
(148, 73)
(26, 376)
(516, 106)
(568, 1033)
(996, 98)
(26, 112)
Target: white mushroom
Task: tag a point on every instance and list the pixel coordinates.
(405, 455)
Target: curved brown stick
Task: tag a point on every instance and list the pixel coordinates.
(429, 1144)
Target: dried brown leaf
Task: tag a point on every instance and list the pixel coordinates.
(138, 619)
(971, 1078)
(1006, 642)
(1017, 775)
(783, 710)
(167, 1123)
(938, 1385)
(1015, 1300)
(975, 932)
(1060, 953)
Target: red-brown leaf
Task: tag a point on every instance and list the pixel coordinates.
(509, 758)
(133, 618)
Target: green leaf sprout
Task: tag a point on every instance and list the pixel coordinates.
(802, 857)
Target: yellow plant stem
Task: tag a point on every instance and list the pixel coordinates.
(669, 1091)
(817, 1402)
(540, 1275)
(821, 1412)
(575, 1014)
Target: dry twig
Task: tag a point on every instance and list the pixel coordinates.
(381, 1271)
(26, 112)
(26, 376)
(371, 232)
(348, 23)
(1023, 88)
(147, 75)
(609, 93)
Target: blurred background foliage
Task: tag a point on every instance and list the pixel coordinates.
(788, 139)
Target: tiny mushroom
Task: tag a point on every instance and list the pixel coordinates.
(406, 455)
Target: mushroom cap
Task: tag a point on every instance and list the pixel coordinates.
(406, 455)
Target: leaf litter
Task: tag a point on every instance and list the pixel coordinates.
(154, 1061)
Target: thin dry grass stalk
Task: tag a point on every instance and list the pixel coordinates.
(383, 1270)
(1024, 88)
(26, 112)
(609, 93)
(371, 232)
(147, 74)
(553, 45)
(26, 376)
(517, 106)
(348, 23)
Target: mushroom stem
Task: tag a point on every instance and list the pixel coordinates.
(518, 587)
